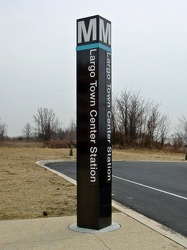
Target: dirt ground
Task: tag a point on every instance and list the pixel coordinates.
(29, 191)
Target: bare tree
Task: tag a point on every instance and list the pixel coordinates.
(47, 123)
(131, 111)
(3, 130)
(70, 132)
(61, 133)
(67, 134)
(117, 135)
(182, 129)
(114, 116)
(163, 128)
(27, 131)
(152, 125)
(123, 103)
(136, 117)
(176, 141)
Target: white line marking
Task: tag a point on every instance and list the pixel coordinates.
(156, 189)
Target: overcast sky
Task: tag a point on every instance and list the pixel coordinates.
(37, 55)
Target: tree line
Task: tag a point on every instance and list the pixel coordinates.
(48, 127)
(136, 123)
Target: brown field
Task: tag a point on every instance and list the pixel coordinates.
(29, 191)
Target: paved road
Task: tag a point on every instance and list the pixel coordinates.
(156, 189)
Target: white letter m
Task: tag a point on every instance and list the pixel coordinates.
(87, 33)
(105, 35)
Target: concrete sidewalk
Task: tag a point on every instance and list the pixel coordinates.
(54, 233)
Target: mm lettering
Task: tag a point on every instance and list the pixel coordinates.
(94, 29)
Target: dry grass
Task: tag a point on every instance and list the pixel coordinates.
(147, 155)
(29, 191)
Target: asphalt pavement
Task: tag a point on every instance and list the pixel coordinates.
(154, 189)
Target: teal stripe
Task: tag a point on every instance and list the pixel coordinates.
(93, 46)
